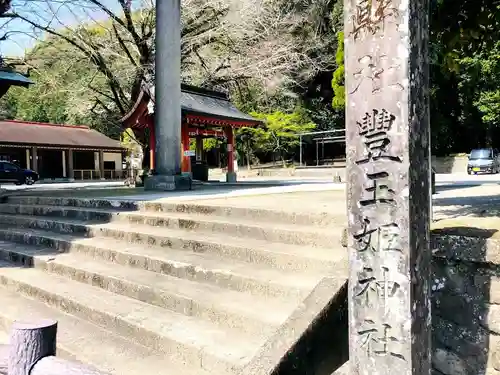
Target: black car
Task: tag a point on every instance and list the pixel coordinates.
(10, 172)
(483, 160)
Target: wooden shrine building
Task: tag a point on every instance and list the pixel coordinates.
(205, 113)
(61, 152)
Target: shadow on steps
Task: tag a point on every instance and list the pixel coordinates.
(312, 352)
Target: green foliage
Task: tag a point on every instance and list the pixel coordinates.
(291, 97)
(489, 105)
(65, 90)
(250, 141)
(464, 75)
(129, 141)
(488, 101)
(338, 101)
(211, 144)
(280, 135)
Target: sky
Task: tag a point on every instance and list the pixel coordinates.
(67, 13)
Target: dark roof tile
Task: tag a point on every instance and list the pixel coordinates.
(211, 103)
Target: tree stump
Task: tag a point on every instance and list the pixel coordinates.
(29, 343)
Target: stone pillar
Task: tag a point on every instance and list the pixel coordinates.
(199, 148)
(28, 161)
(63, 156)
(96, 160)
(34, 158)
(231, 174)
(101, 165)
(387, 133)
(168, 100)
(70, 169)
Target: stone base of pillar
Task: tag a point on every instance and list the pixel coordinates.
(231, 177)
(168, 183)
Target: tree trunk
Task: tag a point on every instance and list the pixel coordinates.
(489, 137)
(249, 163)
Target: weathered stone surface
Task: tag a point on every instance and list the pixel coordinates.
(168, 183)
(494, 284)
(288, 211)
(184, 282)
(52, 365)
(167, 96)
(464, 317)
(466, 248)
(306, 335)
(491, 319)
(449, 363)
(388, 180)
(461, 341)
(494, 353)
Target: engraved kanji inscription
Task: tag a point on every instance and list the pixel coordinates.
(375, 285)
(374, 128)
(374, 239)
(370, 16)
(379, 190)
(379, 339)
(372, 69)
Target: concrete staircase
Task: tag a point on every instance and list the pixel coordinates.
(166, 288)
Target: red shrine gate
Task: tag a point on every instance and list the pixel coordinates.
(205, 113)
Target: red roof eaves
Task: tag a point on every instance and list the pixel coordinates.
(214, 121)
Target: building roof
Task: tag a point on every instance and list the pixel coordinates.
(211, 103)
(52, 135)
(197, 102)
(14, 78)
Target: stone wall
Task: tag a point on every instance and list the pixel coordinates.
(465, 297)
(466, 304)
(450, 164)
(466, 319)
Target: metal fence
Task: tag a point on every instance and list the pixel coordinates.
(91, 174)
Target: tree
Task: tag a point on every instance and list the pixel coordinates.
(463, 34)
(120, 49)
(487, 67)
(249, 141)
(338, 76)
(282, 130)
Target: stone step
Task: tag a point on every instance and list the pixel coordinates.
(256, 279)
(184, 338)
(85, 342)
(276, 232)
(274, 255)
(253, 315)
(320, 219)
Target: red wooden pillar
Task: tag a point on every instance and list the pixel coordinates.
(231, 175)
(186, 160)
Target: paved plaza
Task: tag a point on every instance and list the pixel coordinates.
(455, 197)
